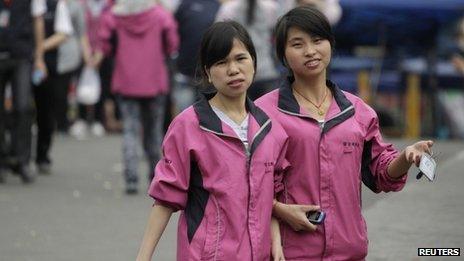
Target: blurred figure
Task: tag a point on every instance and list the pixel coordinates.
(193, 18)
(146, 33)
(62, 57)
(92, 117)
(330, 8)
(458, 56)
(71, 55)
(21, 24)
(170, 5)
(259, 17)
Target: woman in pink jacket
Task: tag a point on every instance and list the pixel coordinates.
(335, 145)
(223, 162)
(142, 34)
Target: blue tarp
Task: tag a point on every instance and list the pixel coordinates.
(436, 5)
(409, 23)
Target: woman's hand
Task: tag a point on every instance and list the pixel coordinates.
(295, 215)
(414, 152)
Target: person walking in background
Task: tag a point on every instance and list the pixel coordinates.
(335, 144)
(145, 33)
(62, 57)
(21, 32)
(222, 163)
(72, 55)
(259, 16)
(193, 18)
(94, 117)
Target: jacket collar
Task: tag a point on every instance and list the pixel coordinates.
(287, 101)
(209, 121)
(288, 104)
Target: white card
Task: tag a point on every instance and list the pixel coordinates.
(428, 166)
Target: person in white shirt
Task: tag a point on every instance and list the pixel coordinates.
(58, 28)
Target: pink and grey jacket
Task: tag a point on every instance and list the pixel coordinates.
(329, 162)
(225, 191)
(142, 42)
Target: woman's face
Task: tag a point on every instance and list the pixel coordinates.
(233, 75)
(305, 55)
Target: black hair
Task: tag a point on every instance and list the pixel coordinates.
(251, 10)
(306, 18)
(217, 43)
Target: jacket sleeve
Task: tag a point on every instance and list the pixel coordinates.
(376, 158)
(282, 165)
(105, 32)
(172, 173)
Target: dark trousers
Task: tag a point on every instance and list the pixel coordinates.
(147, 113)
(18, 73)
(51, 103)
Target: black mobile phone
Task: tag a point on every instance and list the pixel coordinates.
(316, 217)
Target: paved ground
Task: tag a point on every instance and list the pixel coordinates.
(80, 212)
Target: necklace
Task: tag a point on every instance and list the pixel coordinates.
(318, 106)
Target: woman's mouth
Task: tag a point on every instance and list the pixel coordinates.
(312, 64)
(235, 83)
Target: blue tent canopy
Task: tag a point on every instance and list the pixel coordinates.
(407, 23)
(453, 5)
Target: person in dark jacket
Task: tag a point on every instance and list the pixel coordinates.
(21, 32)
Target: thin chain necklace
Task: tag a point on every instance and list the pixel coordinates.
(318, 106)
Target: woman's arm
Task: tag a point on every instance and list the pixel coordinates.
(54, 41)
(412, 154)
(62, 27)
(39, 37)
(295, 215)
(159, 218)
(86, 50)
(277, 251)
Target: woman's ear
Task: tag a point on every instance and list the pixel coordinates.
(207, 74)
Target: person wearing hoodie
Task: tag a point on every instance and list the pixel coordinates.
(145, 34)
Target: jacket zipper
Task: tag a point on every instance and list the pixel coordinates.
(218, 230)
(247, 152)
(321, 126)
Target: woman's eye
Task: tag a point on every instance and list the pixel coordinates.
(317, 40)
(220, 63)
(296, 45)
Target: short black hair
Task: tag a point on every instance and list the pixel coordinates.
(306, 18)
(217, 43)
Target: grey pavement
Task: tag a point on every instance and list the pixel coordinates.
(80, 211)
